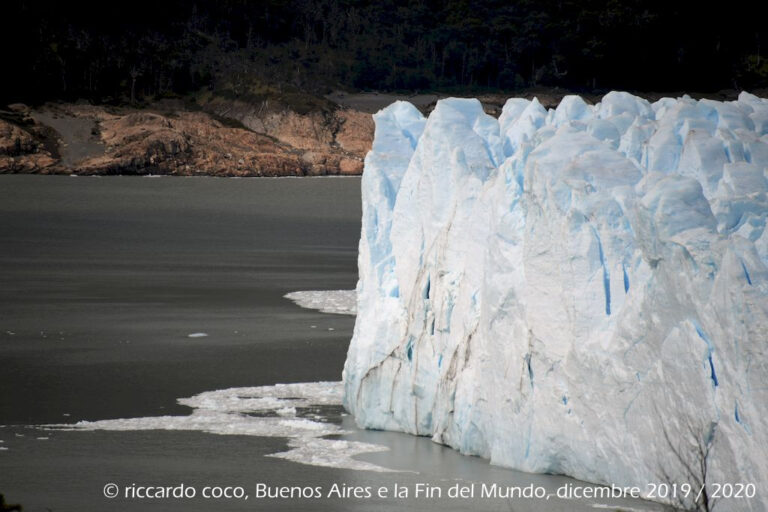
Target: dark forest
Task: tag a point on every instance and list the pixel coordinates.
(140, 50)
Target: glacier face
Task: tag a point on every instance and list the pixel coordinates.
(581, 290)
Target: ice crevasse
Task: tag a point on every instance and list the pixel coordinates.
(580, 290)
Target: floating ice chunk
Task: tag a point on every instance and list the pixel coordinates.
(331, 453)
(340, 302)
(265, 411)
(619, 507)
(286, 411)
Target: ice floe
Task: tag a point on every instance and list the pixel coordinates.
(340, 302)
(282, 410)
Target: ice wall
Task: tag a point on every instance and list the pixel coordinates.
(581, 290)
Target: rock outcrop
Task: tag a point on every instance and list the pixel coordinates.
(99, 140)
(329, 138)
(21, 149)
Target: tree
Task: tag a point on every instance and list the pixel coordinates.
(691, 448)
(135, 74)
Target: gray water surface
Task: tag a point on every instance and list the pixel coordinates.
(101, 282)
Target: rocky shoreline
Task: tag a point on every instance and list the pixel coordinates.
(223, 138)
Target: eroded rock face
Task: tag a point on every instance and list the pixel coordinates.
(191, 143)
(328, 136)
(187, 143)
(21, 151)
(355, 134)
(15, 141)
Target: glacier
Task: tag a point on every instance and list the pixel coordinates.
(580, 290)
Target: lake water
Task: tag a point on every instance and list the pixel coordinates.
(102, 280)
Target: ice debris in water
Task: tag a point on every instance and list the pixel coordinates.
(557, 289)
(266, 411)
(341, 302)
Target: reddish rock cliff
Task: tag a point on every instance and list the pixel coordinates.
(98, 140)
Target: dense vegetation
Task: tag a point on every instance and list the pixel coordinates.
(140, 49)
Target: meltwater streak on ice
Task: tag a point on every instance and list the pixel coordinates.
(266, 411)
(580, 291)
